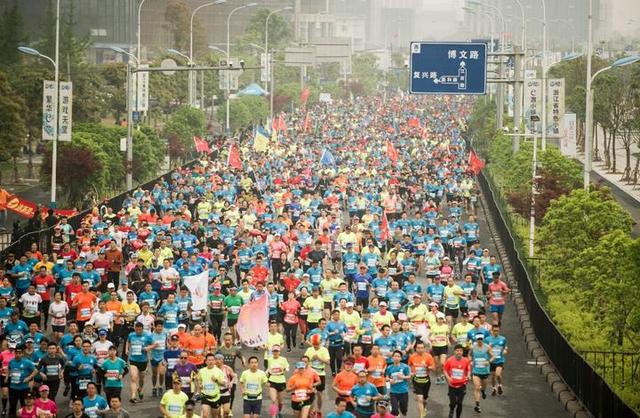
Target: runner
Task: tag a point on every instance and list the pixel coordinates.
(421, 364)
(457, 371)
(210, 379)
(319, 358)
(302, 386)
(481, 358)
(364, 396)
(252, 382)
(499, 349)
(277, 367)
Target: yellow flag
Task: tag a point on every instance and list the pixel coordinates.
(260, 141)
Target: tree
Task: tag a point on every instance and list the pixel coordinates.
(574, 223)
(180, 129)
(13, 129)
(26, 81)
(365, 71)
(244, 111)
(115, 80)
(604, 280)
(11, 32)
(280, 32)
(178, 14)
(81, 169)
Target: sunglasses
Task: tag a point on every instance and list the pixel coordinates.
(184, 358)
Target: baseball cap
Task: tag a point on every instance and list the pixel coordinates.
(43, 388)
(275, 348)
(300, 365)
(383, 304)
(417, 295)
(315, 339)
(174, 337)
(182, 326)
(479, 337)
(433, 304)
(111, 286)
(219, 356)
(440, 315)
(102, 332)
(349, 305)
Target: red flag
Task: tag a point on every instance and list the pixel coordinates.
(304, 96)
(201, 145)
(234, 158)
(306, 127)
(391, 152)
(413, 122)
(384, 228)
(282, 126)
(475, 163)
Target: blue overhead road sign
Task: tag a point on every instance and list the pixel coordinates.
(448, 68)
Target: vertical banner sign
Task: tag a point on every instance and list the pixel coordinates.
(223, 80)
(569, 135)
(142, 90)
(555, 106)
(510, 99)
(133, 96)
(48, 112)
(65, 111)
(265, 67)
(533, 102)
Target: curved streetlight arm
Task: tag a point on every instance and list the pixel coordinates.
(193, 14)
(175, 51)
(35, 53)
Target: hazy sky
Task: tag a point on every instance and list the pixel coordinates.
(621, 12)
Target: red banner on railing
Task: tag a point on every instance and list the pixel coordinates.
(26, 208)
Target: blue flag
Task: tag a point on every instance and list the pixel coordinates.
(327, 158)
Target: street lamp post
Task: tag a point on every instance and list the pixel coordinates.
(227, 75)
(268, 61)
(589, 107)
(190, 57)
(544, 75)
(54, 61)
(129, 163)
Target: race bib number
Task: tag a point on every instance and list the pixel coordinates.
(457, 373)
(16, 377)
(290, 318)
(301, 394)
(136, 349)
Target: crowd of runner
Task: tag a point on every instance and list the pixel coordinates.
(360, 228)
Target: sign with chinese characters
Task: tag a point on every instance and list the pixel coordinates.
(48, 109)
(265, 67)
(142, 90)
(532, 103)
(65, 111)
(568, 138)
(555, 106)
(448, 68)
(228, 79)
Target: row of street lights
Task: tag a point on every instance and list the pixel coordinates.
(137, 58)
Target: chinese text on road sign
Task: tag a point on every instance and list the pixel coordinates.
(448, 68)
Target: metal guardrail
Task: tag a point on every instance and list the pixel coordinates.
(620, 368)
(587, 384)
(43, 236)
